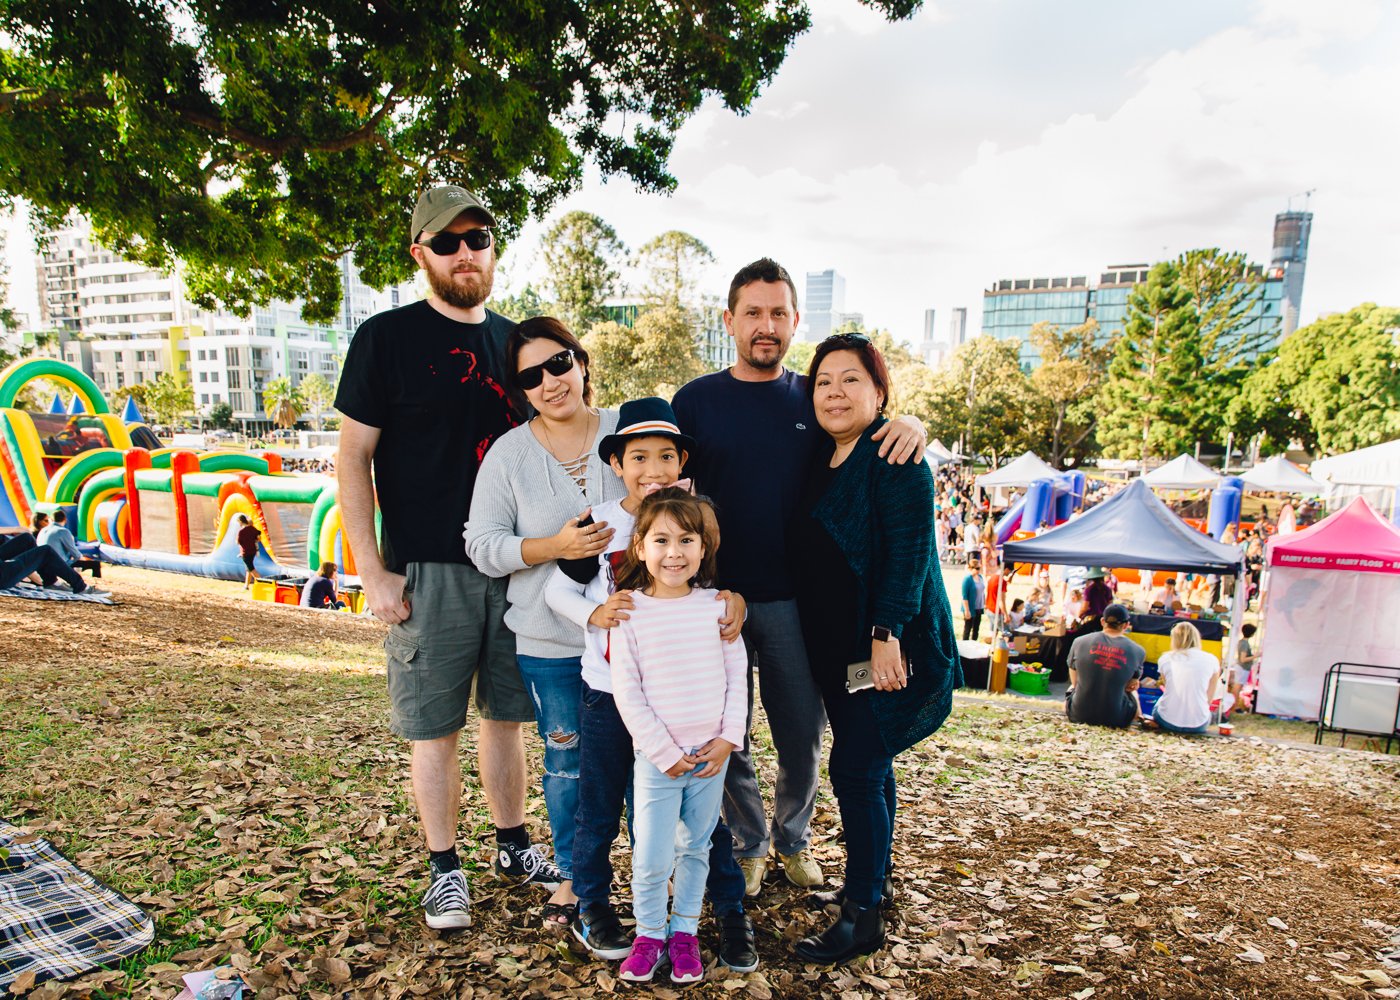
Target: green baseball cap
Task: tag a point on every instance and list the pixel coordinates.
(438, 206)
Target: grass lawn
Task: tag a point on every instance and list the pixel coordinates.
(227, 765)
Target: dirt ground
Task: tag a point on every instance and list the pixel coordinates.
(226, 764)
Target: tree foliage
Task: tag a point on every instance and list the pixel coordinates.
(654, 357)
(317, 393)
(580, 252)
(1072, 364)
(282, 402)
(168, 398)
(673, 263)
(982, 398)
(220, 415)
(258, 143)
(1334, 385)
(1146, 402)
(522, 305)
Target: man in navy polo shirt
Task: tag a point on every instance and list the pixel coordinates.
(756, 433)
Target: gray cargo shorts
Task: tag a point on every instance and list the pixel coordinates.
(454, 642)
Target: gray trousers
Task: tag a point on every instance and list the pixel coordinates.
(796, 719)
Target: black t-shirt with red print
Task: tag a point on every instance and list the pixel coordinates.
(435, 388)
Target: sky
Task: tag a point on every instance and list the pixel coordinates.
(987, 139)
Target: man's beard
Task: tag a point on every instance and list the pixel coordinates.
(466, 291)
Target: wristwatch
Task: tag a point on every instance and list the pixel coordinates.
(880, 633)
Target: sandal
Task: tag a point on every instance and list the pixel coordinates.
(559, 916)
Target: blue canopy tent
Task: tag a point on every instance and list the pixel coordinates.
(1137, 530)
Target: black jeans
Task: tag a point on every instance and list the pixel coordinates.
(604, 788)
(20, 556)
(862, 776)
(972, 625)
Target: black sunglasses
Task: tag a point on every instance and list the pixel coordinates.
(848, 338)
(446, 244)
(559, 364)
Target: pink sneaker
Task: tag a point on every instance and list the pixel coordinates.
(641, 962)
(686, 966)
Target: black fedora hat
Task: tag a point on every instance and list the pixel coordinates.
(650, 416)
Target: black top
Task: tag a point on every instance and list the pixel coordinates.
(322, 591)
(828, 593)
(435, 389)
(755, 441)
(1103, 666)
(248, 536)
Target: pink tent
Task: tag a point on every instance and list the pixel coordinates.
(1331, 597)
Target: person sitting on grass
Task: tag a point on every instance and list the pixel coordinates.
(1104, 668)
(319, 591)
(1189, 676)
(57, 537)
(21, 558)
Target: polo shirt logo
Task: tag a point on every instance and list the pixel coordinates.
(802, 427)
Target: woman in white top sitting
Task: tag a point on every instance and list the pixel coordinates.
(1189, 677)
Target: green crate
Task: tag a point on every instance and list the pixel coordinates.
(1029, 683)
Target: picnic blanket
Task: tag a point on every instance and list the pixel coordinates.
(56, 920)
(33, 593)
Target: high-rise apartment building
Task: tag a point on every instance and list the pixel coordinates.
(957, 326)
(1290, 257)
(124, 324)
(1010, 307)
(824, 304)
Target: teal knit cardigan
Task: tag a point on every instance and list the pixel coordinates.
(881, 517)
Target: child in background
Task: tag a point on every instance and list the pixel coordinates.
(648, 452)
(682, 691)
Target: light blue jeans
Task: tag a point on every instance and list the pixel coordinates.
(675, 818)
(555, 686)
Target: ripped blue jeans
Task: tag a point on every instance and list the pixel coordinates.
(555, 686)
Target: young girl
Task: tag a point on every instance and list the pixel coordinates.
(681, 690)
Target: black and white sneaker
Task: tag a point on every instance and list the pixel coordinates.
(527, 866)
(599, 930)
(446, 903)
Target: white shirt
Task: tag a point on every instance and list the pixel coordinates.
(576, 602)
(1187, 675)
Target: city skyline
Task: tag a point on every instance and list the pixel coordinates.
(971, 143)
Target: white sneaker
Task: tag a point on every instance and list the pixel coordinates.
(95, 592)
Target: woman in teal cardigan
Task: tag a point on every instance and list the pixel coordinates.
(869, 589)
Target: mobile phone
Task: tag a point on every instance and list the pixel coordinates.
(860, 676)
(581, 570)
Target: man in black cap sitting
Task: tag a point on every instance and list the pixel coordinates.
(1104, 668)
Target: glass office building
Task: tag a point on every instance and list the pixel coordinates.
(1012, 306)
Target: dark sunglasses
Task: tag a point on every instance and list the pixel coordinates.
(446, 244)
(559, 364)
(848, 338)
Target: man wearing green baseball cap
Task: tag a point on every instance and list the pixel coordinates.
(422, 398)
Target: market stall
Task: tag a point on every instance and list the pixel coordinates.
(1182, 473)
(1332, 594)
(1135, 528)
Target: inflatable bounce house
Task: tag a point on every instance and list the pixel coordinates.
(131, 502)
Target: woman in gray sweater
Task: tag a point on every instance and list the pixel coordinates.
(535, 486)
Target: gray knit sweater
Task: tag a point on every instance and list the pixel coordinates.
(523, 492)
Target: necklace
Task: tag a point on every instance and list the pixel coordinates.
(577, 467)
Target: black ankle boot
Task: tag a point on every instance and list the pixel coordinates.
(836, 897)
(856, 932)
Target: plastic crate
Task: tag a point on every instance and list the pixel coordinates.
(264, 590)
(1147, 699)
(1028, 682)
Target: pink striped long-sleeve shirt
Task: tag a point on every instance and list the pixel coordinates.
(677, 684)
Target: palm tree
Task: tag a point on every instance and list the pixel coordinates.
(282, 402)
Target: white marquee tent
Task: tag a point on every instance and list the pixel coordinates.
(1019, 472)
(1279, 475)
(1372, 472)
(1182, 473)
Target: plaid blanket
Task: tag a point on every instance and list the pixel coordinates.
(34, 593)
(56, 920)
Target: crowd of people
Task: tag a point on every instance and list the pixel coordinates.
(626, 580)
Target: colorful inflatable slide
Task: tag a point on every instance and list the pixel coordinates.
(133, 503)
